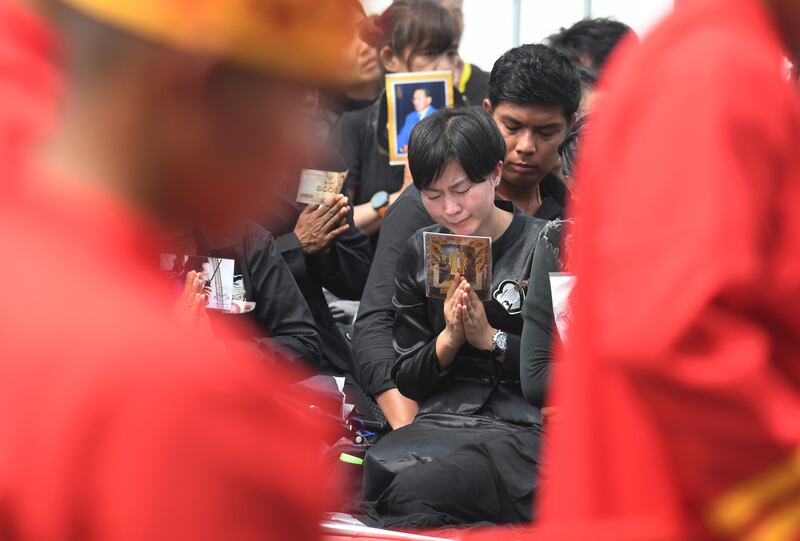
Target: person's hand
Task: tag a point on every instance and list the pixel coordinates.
(477, 330)
(452, 337)
(190, 308)
(318, 226)
(454, 328)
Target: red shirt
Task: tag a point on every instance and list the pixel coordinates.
(680, 392)
(115, 424)
(30, 88)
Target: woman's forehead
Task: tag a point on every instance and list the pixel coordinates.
(452, 174)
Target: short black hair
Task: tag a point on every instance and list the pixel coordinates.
(467, 136)
(590, 40)
(424, 89)
(535, 74)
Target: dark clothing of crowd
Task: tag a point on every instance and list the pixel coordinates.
(373, 333)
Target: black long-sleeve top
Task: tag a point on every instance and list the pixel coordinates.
(475, 383)
(363, 141)
(372, 336)
(539, 341)
(281, 312)
(342, 270)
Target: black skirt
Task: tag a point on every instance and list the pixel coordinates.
(447, 469)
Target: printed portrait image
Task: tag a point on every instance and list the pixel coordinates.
(449, 255)
(412, 97)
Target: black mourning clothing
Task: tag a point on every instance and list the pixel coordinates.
(372, 340)
(475, 383)
(363, 140)
(342, 270)
(281, 312)
(539, 338)
(475, 433)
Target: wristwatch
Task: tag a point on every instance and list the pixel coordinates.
(499, 344)
(380, 202)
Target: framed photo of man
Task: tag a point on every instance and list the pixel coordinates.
(410, 97)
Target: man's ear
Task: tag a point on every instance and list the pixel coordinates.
(487, 105)
(391, 62)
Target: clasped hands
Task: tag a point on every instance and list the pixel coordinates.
(465, 318)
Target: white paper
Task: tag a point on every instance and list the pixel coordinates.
(218, 271)
(561, 286)
(220, 275)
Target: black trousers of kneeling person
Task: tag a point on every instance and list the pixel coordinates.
(453, 469)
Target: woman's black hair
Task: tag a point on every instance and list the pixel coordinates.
(421, 25)
(467, 136)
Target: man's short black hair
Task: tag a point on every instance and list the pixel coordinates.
(589, 42)
(424, 89)
(467, 136)
(535, 75)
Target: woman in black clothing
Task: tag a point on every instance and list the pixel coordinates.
(534, 95)
(411, 35)
(459, 356)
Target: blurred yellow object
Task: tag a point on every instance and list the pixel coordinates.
(298, 38)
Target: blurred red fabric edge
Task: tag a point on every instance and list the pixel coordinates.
(114, 423)
(682, 376)
(30, 88)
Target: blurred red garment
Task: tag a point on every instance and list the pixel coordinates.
(680, 391)
(115, 424)
(30, 87)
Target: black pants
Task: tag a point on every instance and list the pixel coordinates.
(485, 474)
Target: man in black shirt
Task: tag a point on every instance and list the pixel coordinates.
(533, 97)
(589, 43)
(323, 249)
(282, 318)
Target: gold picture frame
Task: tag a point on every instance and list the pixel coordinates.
(400, 95)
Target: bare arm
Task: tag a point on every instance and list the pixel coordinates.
(367, 219)
(398, 410)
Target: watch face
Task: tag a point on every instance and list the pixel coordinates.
(501, 341)
(379, 200)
